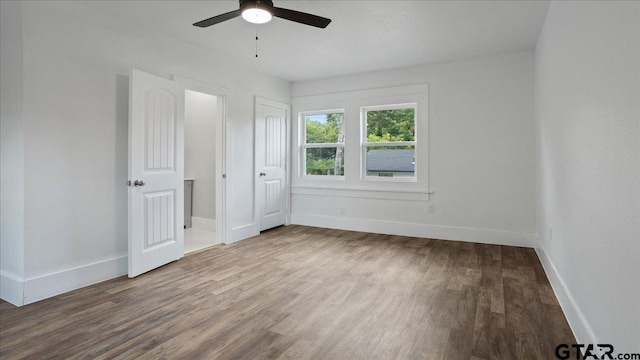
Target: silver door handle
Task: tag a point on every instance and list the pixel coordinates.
(135, 183)
(263, 174)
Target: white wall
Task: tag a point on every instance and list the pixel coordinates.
(588, 172)
(75, 95)
(481, 154)
(12, 144)
(200, 118)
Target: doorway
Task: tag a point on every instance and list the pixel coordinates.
(205, 162)
(200, 117)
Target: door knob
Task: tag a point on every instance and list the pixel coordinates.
(138, 183)
(263, 174)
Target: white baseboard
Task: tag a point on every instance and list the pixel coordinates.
(242, 232)
(11, 288)
(486, 236)
(46, 286)
(203, 223)
(577, 321)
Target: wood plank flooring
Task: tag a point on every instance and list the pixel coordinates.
(299, 292)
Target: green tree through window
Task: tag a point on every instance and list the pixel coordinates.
(325, 144)
(391, 125)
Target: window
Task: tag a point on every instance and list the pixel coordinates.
(389, 142)
(323, 145)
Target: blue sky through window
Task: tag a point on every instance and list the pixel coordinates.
(319, 118)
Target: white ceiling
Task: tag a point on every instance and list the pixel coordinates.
(363, 36)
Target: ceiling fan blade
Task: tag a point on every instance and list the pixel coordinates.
(218, 19)
(300, 17)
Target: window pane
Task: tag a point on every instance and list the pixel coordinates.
(391, 161)
(325, 161)
(324, 128)
(391, 125)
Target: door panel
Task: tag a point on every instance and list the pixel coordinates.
(273, 193)
(156, 162)
(160, 126)
(271, 156)
(160, 210)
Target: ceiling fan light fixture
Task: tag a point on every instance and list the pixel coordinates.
(262, 11)
(256, 15)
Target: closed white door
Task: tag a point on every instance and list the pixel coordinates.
(156, 172)
(271, 158)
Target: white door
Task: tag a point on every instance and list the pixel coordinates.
(156, 172)
(271, 157)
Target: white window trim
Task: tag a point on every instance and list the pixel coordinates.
(364, 144)
(304, 146)
(352, 101)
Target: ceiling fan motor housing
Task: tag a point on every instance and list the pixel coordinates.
(253, 4)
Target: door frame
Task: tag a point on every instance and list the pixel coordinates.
(257, 202)
(224, 96)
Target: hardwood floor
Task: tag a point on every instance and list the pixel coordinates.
(299, 292)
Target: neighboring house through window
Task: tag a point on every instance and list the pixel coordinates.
(391, 163)
(389, 142)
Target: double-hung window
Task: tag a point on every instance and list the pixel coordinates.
(389, 142)
(323, 143)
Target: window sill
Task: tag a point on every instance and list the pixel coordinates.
(390, 179)
(323, 177)
(349, 192)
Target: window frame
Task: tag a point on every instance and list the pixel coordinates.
(364, 144)
(304, 146)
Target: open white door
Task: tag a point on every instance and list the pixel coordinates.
(156, 172)
(271, 160)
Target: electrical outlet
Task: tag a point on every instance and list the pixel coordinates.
(432, 209)
(342, 210)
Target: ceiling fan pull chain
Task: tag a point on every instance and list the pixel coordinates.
(256, 40)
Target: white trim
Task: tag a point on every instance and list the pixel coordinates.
(202, 87)
(345, 192)
(443, 232)
(322, 177)
(323, 145)
(203, 224)
(364, 144)
(242, 232)
(352, 102)
(364, 93)
(302, 141)
(56, 283)
(11, 288)
(390, 143)
(577, 321)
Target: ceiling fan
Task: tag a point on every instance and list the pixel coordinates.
(261, 11)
